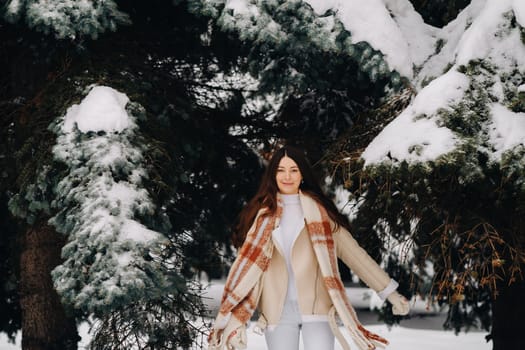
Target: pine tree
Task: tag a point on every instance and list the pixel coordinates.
(442, 184)
(194, 166)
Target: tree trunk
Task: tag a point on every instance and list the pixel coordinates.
(45, 325)
(508, 310)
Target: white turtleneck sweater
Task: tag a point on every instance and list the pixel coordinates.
(291, 224)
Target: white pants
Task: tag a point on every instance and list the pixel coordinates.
(317, 335)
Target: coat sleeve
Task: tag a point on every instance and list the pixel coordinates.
(358, 260)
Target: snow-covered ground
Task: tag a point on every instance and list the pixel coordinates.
(421, 331)
(401, 338)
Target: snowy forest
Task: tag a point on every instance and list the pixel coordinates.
(133, 132)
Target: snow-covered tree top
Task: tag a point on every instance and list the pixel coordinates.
(486, 55)
(390, 26)
(371, 33)
(67, 18)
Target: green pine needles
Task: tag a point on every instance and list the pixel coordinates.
(294, 49)
(454, 228)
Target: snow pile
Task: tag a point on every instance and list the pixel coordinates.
(100, 201)
(103, 109)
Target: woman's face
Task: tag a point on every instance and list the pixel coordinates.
(288, 176)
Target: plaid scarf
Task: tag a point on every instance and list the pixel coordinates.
(243, 287)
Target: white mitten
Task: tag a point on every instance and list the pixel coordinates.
(215, 339)
(229, 338)
(234, 335)
(216, 336)
(399, 303)
(237, 339)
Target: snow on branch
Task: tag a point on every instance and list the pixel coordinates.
(109, 257)
(474, 102)
(68, 19)
(384, 37)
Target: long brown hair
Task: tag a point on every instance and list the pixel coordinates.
(266, 196)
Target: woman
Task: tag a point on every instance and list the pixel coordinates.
(286, 268)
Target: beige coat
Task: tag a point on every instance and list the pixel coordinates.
(313, 298)
(258, 278)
